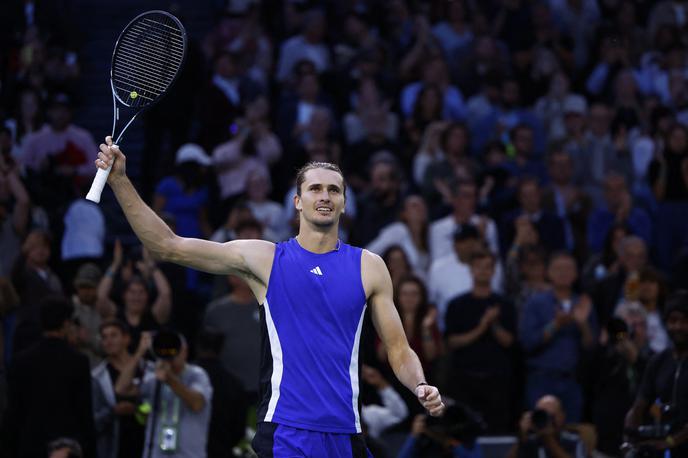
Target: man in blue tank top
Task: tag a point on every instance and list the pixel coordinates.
(314, 291)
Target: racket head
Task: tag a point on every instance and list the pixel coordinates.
(147, 58)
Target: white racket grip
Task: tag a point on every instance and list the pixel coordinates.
(98, 185)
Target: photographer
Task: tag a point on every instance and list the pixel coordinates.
(454, 434)
(182, 394)
(664, 393)
(541, 431)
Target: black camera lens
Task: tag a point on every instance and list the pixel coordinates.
(540, 419)
(166, 345)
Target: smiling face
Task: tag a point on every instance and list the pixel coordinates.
(321, 199)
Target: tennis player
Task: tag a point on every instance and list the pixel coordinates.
(313, 290)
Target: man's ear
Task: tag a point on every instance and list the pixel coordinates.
(297, 202)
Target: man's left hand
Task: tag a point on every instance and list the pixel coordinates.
(430, 399)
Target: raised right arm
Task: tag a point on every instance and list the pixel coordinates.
(158, 238)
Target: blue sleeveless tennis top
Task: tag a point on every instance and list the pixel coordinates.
(311, 328)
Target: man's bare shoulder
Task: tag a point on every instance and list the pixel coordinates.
(373, 272)
(254, 251)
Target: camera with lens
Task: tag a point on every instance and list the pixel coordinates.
(660, 430)
(459, 423)
(541, 419)
(166, 345)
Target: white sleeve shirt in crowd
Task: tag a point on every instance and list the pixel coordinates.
(392, 411)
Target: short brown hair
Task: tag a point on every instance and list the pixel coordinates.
(301, 173)
(482, 254)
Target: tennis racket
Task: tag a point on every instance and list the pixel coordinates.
(147, 60)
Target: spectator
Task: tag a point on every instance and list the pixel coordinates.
(526, 273)
(450, 275)
(136, 309)
(464, 206)
(377, 418)
(618, 208)
(558, 108)
(564, 198)
(15, 209)
(236, 315)
(548, 437)
(307, 45)
(622, 283)
(64, 448)
(667, 172)
(397, 263)
(410, 232)
(665, 384)
(88, 313)
(114, 409)
(652, 291)
(481, 332)
(427, 109)
(618, 369)
(555, 326)
(185, 197)
(183, 406)
(269, 213)
(49, 389)
(454, 33)
(58, 155)
(419, 319)
(369, 104)
(525, 161)
(595, 156)
(229, 406)
(606, 262)
(84, 237)
(228, 90)
(34, 280)
(381, 204)
(548, 228)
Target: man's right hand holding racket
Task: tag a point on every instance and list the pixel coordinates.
(111, 155)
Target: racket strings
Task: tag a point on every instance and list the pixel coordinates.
(147, 60)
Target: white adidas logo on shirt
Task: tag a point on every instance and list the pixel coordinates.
(316, 270)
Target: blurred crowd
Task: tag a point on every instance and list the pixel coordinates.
(520, 165)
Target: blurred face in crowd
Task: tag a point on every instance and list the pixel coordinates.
(637, 325)
(560, 168)
(648, 291)
(37, 250)
(599, 119)
(523, 141)
(465, 200)
(309, 87)
(677, 328)
(29, 104)
(632, 254)
(626, 87)
(430, 102)
(677, 141)
(456, 141)
(465, 248)
(397, 263)
(226, 66)
(615, 191)
(511, 94)
(136, 297)
(482, 270)
(257, 187)
(319, 125)
(114, 341)
(529, 196)
(562, 272)
(410, 297)
(533, 268)
(435, 71)
(60, 116)
(87, 294)
(415, 210)
(382, 180)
